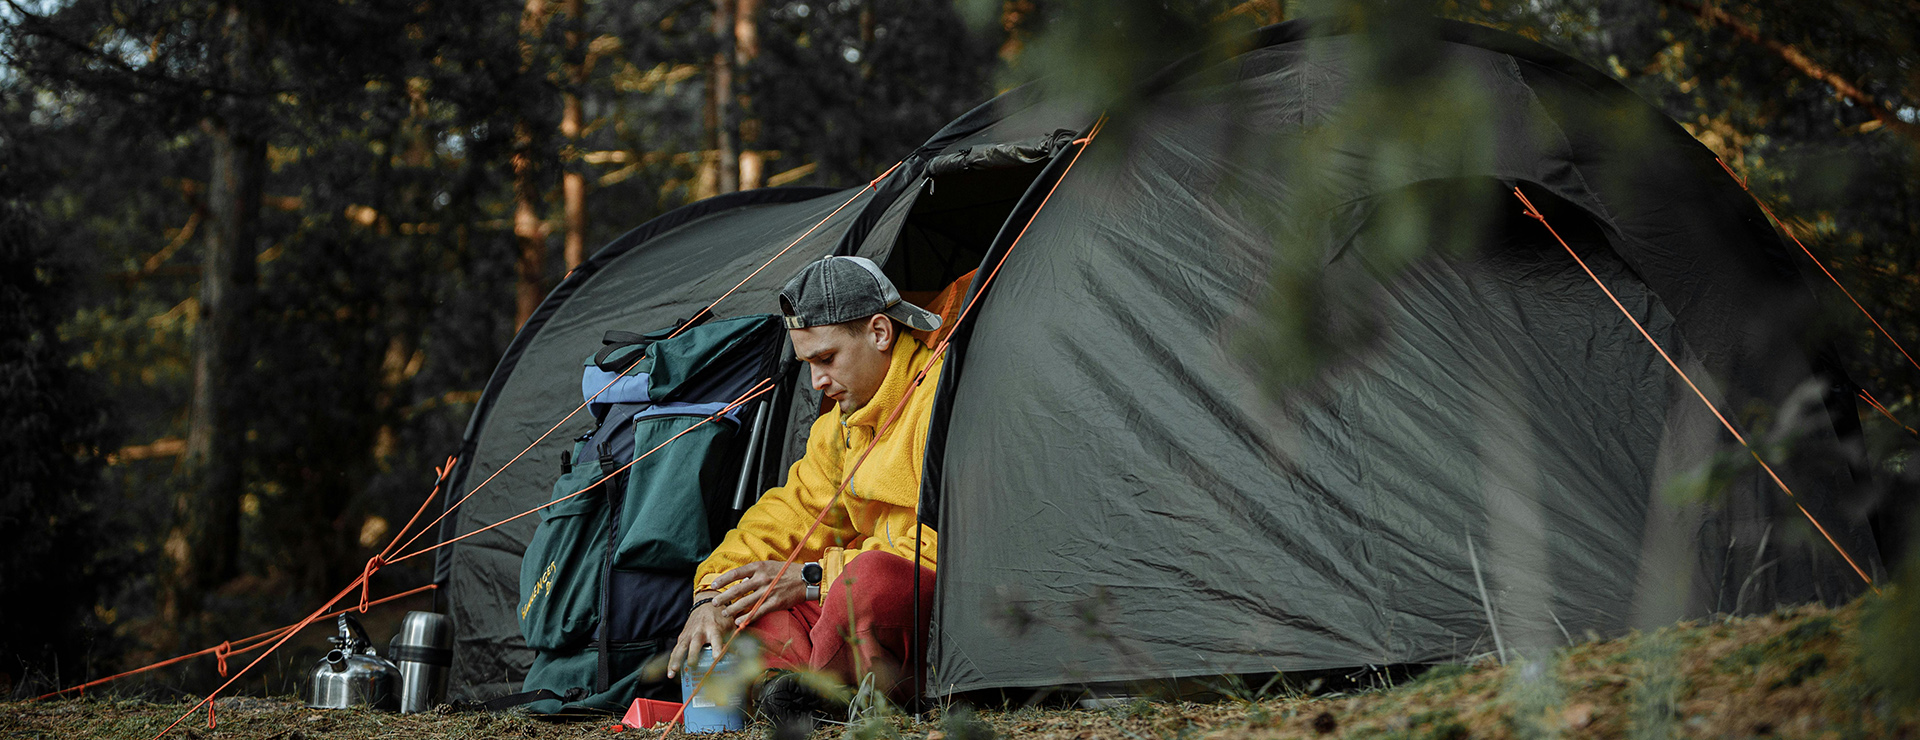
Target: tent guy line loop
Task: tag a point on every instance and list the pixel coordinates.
(676, 332)
(1536, 215)
(366, 579)
(759, 389)
(361, 582)
(385, 556)
(284, 637)
(439, 482)
(1816, 261)
(886, 425)
(375, 562)
(258, 641)
(440, 474)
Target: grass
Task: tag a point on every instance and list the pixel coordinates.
(1790, 674)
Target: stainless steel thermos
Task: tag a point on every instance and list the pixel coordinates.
(352, 674)
(424, 650)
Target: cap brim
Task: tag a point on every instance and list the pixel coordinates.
(919, 318)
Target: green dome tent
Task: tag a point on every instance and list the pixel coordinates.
(1120, 494)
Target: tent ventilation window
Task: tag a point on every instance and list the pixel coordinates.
(969, 193)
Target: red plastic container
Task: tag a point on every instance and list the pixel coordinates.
(647, 713)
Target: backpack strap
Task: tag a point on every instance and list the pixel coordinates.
(616, 336)
(617, 340)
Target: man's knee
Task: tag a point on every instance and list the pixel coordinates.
(783, 637)
(876, 565)
(875, 582)
(873, 570)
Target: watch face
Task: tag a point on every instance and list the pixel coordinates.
(810, 572)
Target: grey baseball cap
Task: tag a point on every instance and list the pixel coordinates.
(836, 289)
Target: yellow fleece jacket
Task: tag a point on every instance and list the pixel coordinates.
(878, 511)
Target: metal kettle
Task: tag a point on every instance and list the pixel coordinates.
(352, 674)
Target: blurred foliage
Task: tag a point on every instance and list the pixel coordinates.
(387, 255)
(1537, 696)
(1843, 183)
(1657, 685)
(1888, 653)
(1811, 106)
(1842, 180)
(385, 258)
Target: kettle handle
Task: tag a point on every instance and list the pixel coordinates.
(354, 634)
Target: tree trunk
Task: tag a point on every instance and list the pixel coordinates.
(573, 191)
(204, 545)
(746, 46)
(720, 114)
(573, 183)
(529, 234)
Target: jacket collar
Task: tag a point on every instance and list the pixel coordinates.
(893, 390)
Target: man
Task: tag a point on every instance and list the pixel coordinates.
(847, 322)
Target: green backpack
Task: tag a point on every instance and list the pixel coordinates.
(604, 584)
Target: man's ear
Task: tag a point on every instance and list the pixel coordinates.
(881, 331)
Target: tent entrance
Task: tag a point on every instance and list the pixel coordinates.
(952, 223)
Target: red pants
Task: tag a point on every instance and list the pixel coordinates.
(865, 625)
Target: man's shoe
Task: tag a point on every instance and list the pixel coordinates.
(789, 705)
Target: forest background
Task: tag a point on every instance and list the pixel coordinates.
(258, 258)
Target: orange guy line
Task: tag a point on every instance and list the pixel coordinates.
(1817, 263)
(596, 394)
(758, 389)
(1535, 213)
(886, 425)
(262, 637)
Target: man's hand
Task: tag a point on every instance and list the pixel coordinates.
(743, 587)
(708, 625)
(705, 628)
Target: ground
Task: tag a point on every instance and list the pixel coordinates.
(1790, 674)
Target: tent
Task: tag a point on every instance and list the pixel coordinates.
(1120, 493)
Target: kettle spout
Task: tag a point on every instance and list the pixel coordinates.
(337, 660)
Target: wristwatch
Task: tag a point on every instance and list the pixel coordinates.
(811, 574)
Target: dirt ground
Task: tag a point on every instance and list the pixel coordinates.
(1790, 674)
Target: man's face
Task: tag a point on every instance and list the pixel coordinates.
(847, 366)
